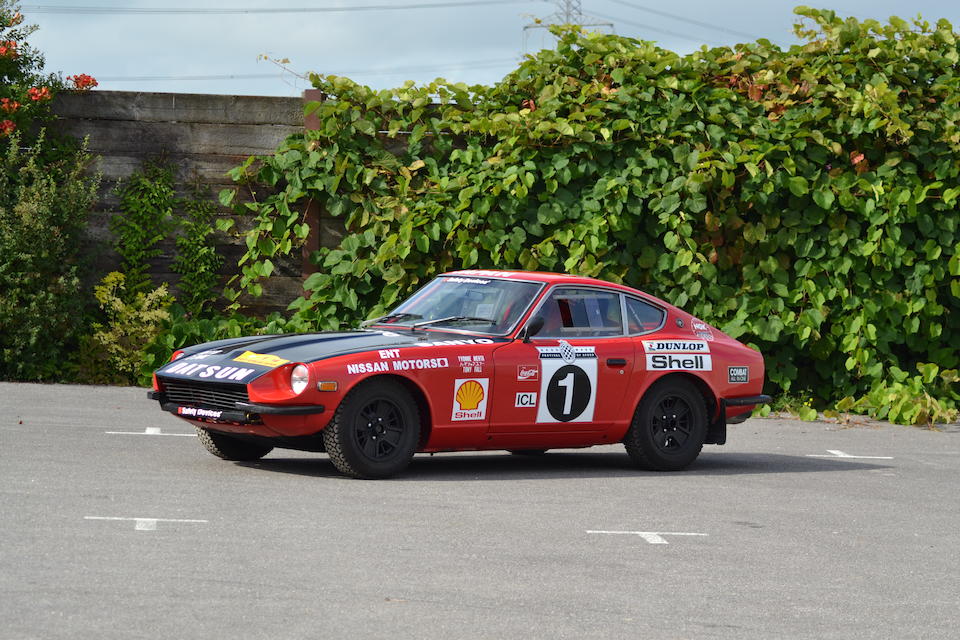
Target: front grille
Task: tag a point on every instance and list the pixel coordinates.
(215, 395)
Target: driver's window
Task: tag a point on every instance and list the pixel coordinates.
(574, 313)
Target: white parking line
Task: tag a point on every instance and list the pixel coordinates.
(151, 431)
(144, 524)
(840, 454)
(653, 537)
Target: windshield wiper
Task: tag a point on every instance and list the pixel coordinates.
(389, 316)
(451, 319)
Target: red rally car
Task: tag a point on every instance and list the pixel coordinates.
(475, 360)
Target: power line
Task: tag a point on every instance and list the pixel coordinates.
(61, 9)
(648, 27)
(237, 76)
(674, 16)
(260, 76)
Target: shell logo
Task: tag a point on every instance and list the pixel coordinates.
(469, 395)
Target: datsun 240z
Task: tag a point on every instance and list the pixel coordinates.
(475, 360)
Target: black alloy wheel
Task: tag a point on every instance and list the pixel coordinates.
(378, 429)
(375, 430)
(669, 426)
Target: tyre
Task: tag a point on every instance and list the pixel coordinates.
(374, 432)
(669, 427)
(230, 448)
(527, 452)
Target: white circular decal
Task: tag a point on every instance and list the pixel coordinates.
(568, 386)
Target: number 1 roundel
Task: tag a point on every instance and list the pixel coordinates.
(568, 384)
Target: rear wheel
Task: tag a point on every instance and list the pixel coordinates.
(229, 448)
(669, 427)
(374, 432)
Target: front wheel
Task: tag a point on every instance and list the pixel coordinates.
(374, 432)
(669, 427)
(229, 448)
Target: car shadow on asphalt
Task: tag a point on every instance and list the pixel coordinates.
(561, 464)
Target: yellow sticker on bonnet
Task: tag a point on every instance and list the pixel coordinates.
(263, 359)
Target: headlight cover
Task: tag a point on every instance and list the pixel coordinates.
(299, 378)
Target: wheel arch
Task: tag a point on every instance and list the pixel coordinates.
(716, 427)
(416, 392)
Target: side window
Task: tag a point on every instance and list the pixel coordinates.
(642, 317)
(572, 313)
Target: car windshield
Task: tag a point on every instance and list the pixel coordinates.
(484, 305)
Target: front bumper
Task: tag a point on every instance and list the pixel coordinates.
(241, 413)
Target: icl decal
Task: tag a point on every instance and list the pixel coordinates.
(526, 400)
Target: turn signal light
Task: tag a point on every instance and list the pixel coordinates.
(327, 386)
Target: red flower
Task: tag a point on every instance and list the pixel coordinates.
(37, 95)
(83, 82)
(9, 105)
(7, 127)
(8, 49)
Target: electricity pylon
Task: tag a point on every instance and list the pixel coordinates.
(568, 12)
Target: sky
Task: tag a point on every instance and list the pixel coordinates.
(206, 46)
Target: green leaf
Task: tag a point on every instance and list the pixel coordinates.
(823, 197)
(798, 186)
(953, 265)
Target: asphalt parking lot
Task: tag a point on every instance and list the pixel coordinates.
(117, 524)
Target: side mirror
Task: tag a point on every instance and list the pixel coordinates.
(532, 328)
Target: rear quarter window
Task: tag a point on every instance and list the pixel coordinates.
(643, 317)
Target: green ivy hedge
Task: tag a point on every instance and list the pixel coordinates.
(802, 200)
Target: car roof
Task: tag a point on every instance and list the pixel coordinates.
(556, 278)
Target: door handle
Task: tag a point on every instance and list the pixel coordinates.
(616, 362)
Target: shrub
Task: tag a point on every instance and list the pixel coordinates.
(803, 200)
(44, 200)
(147, 201)
(43, 210)
(197, 261)
(114, 352)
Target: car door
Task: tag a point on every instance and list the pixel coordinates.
(572, 375)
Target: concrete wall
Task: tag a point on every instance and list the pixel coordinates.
(203, 136)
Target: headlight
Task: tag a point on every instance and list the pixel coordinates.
(299, 378)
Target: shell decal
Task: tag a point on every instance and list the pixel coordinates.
(469, 395)
(470, 399)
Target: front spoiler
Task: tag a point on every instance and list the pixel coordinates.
(242, 413)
